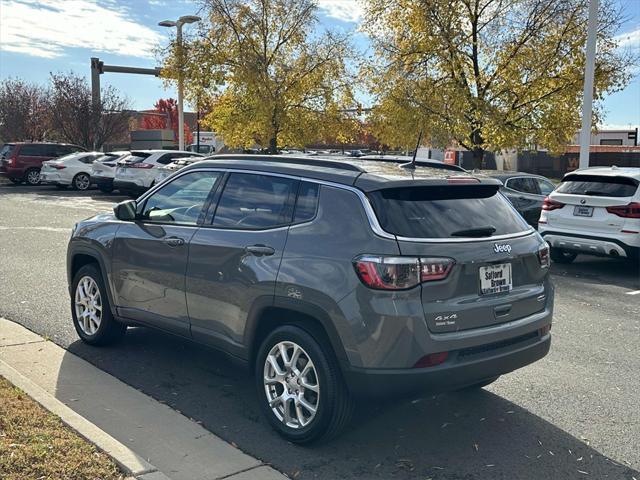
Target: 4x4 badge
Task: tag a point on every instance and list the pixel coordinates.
(505, 247)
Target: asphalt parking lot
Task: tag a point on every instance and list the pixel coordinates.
(575, 414)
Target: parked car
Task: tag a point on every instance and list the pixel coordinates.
(166, 170)
(595, 211)
(424, 162)
(71, 170)
(136, 172)
(104, 170)
(329, 282)
(22, 161)
(525, 191)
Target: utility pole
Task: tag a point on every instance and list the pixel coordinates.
(98, 68)
(587, 95)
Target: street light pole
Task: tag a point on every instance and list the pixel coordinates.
(180, 88)
(587, 95)
(178, 24)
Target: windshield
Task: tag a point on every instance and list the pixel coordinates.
(598, 186)
(446, 211)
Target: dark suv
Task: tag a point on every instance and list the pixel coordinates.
(21, 162)
(330, 280)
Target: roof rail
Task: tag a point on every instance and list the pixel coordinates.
(308, 161)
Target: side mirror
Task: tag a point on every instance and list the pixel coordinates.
(126, 211)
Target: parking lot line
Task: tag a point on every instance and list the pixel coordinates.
(635, 292)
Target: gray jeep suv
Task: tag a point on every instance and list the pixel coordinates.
(330, 280)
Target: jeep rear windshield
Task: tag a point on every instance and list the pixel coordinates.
(598, 186)
(446, 211)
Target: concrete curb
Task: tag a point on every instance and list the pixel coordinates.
(147, 439)
(131, 463)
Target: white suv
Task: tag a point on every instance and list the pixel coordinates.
(595, 211)
(137, 172)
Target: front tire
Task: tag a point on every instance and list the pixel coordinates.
(562, 256)
(90, 309)
(300, 387)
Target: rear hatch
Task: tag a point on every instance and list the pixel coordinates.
(586, 202)
(105, 165)
(495, 271)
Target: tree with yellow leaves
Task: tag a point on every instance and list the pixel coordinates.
(266, 74)
(486, 74)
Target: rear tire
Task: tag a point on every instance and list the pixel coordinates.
(562, 256)
(32, 177)
(91, 310)
(322, 387)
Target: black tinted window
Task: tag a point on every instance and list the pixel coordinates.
(307, 202)
(524, 184)
(180, 201)
(35, 150)
(444, 211)
(255, 202)
(598, 185)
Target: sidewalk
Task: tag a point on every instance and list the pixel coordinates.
(149, 440)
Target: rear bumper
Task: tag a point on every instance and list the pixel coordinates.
(11, 172)
(462, 368)
(53, 179)
(590, 244)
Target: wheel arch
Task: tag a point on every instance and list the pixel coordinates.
(283, 311)
(82, 256)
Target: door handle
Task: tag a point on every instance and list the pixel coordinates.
(502, 310)
(174, 241)
(259, 250)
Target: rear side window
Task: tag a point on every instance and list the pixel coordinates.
(255, 202)
(307, 202)
(34, 150)
(445, 211)
(598, 185)
(6, 151)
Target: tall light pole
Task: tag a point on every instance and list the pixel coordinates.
(587, 95)
(178, 24)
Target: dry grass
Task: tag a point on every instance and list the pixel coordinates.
(36, 445)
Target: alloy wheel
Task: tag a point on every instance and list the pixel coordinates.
(88, 305)
(82, 181)
(33, 177)
(291, 384)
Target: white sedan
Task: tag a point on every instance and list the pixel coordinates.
(71, 170)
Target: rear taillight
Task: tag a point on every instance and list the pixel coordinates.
(543, 256)
(627, 211)
(549, 204)
(57, 166)
(399, 273)
(435, 268)
(141, 165)
(431, 360)
(12, 162)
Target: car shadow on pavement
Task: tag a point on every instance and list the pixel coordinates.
(477, 435)
(587, 269)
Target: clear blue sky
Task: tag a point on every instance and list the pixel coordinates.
(42, 36)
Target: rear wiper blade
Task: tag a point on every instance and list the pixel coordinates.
(475, 232)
